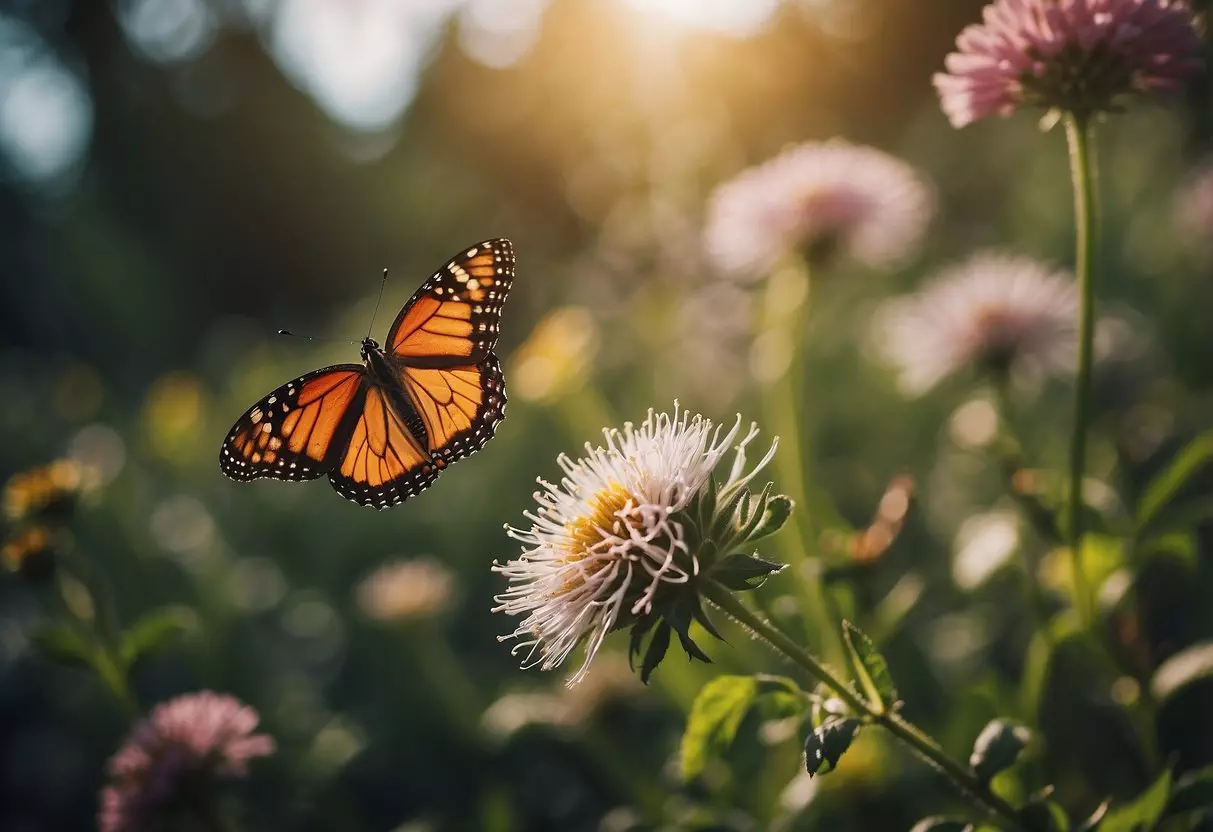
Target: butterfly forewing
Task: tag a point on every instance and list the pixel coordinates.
(298, 431)
(456, 314)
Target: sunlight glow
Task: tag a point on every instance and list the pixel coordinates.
(739, 18)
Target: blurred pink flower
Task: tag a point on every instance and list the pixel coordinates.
(1075, 55)
(818, 199)
(186, 742)
(992, 313)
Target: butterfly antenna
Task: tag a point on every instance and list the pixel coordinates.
(382, 285)
(290, 334)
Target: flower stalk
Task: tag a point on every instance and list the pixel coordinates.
(976, 793)
(1082, 171)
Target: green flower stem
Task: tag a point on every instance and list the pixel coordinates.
(781, 406)
(102, 657)
(1086, 221)
(969, 787)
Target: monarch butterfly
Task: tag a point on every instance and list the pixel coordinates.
(384, 430)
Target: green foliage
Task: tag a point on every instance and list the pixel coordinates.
(1193, 792)
(715, 716)
(870, 668)
(150, 633)
(741, 572)
(1169, 482)
(63, 644)
(1142, 813)
(997, 747)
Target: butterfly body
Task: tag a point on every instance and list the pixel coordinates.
(383, 430)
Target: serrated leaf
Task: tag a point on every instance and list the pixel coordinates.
(658, 646)
(61, 644)
(149, 633)
(1143, 812)
(740, 572)
(1193, 792)
(940, 824)
(870, 667)
(715, 717)
(778, 510)
(997, 747)
(1168, 482)
(828, 742)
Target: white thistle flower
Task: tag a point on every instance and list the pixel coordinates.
(624, 529)
(990, 313)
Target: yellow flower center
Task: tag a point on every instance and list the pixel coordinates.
(585, 532)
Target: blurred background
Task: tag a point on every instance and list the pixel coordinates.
(181, 178)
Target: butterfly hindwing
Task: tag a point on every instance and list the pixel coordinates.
(384, 463)
(454, 318)
(459, 406)
(298, 431)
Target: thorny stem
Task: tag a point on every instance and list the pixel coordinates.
(1078, 137)
(966, 784)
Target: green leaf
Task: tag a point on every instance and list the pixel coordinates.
(61, 644)
(870, 667)
(658, 646)
(1193, 792)
(715, 717)
(741, 572)
(1044, 814)
(1168, 482)
(1180, 670)
(997, 747)
(1143, 812)
(828, 742)
(778, 510)
(150, 633)
(939, 824)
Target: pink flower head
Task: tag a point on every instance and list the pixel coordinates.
(1075, 55)
(992, 313)
(818, 199)
(189, 742)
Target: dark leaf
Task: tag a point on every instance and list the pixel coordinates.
(639, 630)
(828, 742)
(1044, 814)
(656, 651)
(715, 717)
(1192, 793)
(741, 572)
(870, 667)
(997, 747)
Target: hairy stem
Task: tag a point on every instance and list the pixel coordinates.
(966, 784)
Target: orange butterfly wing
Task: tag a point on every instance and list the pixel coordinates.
(443, 341)
(384, 464)
(299, 431)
